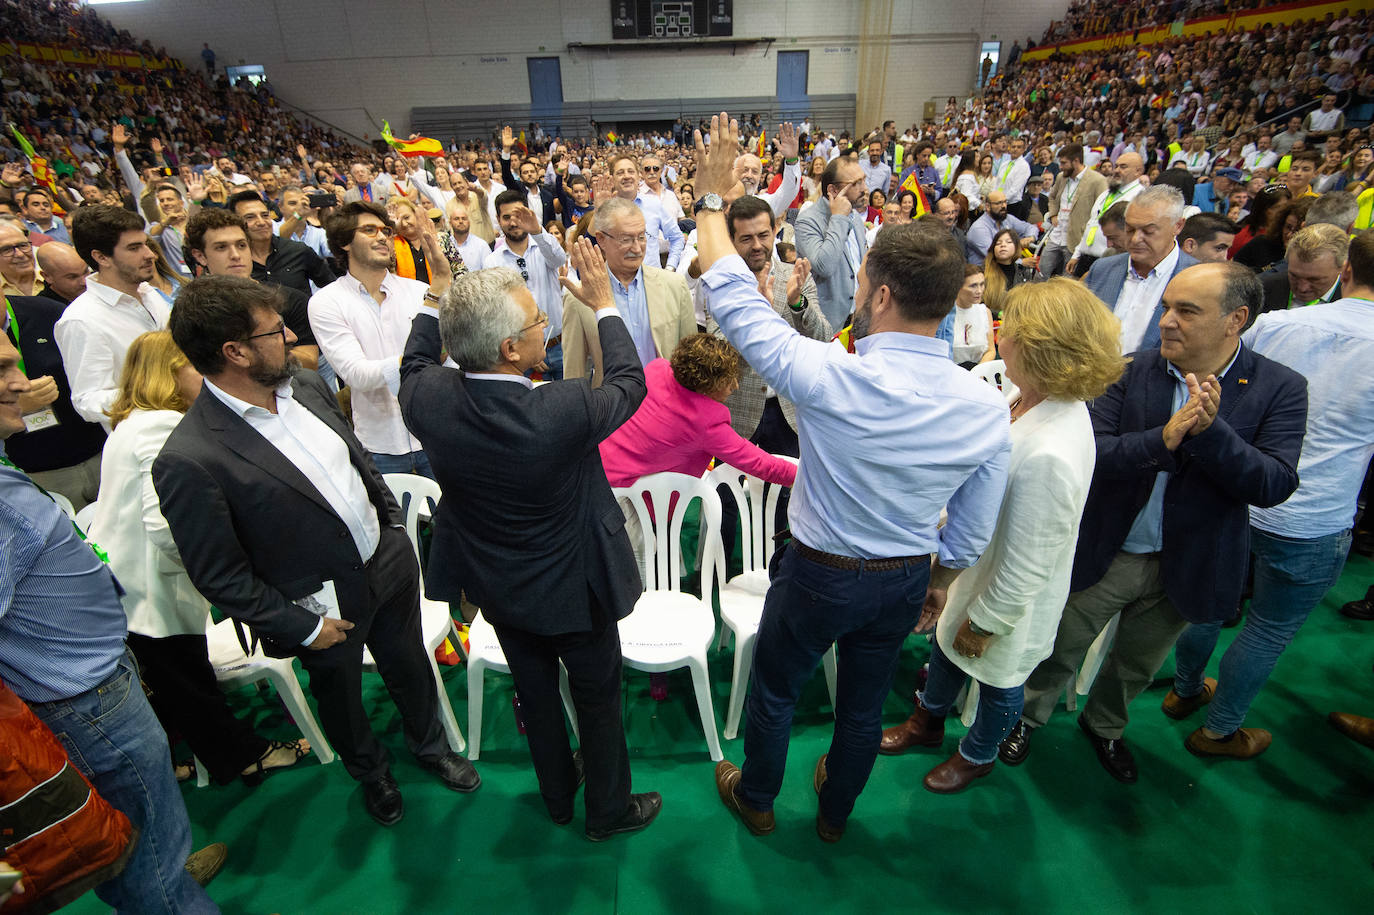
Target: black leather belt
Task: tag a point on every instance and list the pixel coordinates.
(851, 563)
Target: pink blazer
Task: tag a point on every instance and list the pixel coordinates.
(678, 430)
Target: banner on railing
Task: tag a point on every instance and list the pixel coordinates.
(85, 57)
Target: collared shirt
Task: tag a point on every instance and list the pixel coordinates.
(633, 304)
(985, 229)
(293, 264)
(62, 625)
(1139, 297)
(539, 268)
(1094, 240)
(889, 434)
(363, 340)
(95, 332)
(57, 231)
(1331, 345)
(1147, 531)
(1059, 235)
(474, 252)
(313, 237)
(876, 177)
(658, 223)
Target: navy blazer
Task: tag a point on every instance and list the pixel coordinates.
(546, 194)
(1107, 277)
(1248, 456)
(528, 525)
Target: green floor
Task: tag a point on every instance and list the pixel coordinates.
(1289, 831)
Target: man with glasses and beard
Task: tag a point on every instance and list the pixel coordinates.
(536, 256)
(286, 525)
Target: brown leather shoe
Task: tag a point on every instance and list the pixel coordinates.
(824, 829)
(922, 729)
(1357, 728)
(1177, 707)
(1245, 743)
(955, 774)
(818, 779)
(759, 822)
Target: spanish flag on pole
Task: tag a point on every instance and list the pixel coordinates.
(412, 149)
(922, 205)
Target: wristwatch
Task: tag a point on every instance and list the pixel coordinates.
(709, 202)
(431, 297)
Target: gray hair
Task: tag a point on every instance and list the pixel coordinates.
(1170, 199)
(1240, 287)
(477, 315)
(610, 211)
(1337, 208)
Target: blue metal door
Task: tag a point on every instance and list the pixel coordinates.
(792, 73)
(546, 91)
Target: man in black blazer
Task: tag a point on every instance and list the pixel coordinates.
(1311, 271)
(531, 180)
(272, 500)
(528, 525)
(1192, 435)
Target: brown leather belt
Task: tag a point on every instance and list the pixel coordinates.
(553, 341)
(853, 564)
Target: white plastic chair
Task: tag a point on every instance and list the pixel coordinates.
(234, 668)
(668, 629)
(420, 495)
(63, 503)
(741, 598)
(84, 517)
(994, 373)
(1092, 663)
(484, 653)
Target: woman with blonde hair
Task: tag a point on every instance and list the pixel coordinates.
(166, 614)
(999, 618)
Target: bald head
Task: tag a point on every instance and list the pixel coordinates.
(63, 269)
(1129, 167)
(749, 172)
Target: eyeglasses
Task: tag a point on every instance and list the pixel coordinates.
(652, 168)
(280, 331)
(542, 319)
(372, 231)
(524, 273)
(23, 249)
(626, 241)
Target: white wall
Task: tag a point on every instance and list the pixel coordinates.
(356, 62)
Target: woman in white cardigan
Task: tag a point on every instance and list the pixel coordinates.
(999, 618)
(167, 616)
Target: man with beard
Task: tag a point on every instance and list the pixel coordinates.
(749, 171)
(986, 227)
(534, 253)
(361, 322)
(1123, 185)
(864, 520)
(119, 303)
(287, 526)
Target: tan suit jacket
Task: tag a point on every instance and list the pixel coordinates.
(1091, 185)
(671, 318)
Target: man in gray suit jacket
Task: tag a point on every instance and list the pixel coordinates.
(528, 525)
(1132, 284)
(831, 235)
(365, 187)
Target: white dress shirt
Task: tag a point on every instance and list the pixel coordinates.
(93, 335)
(474, 252)
(782, 198)
(318, 453)
(1139, 297)
(542, 258)
(1094, 240)
(363, 341)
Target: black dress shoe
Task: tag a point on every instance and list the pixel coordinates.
(1016, 746)
(1362, 609)
(1114, 755)
(641, 812)
(382, 797)
(455, 772)
(562, 814)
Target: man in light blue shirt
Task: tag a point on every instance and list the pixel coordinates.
(625, 178)
(1299, 546)
(888, 436)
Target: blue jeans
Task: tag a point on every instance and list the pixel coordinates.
(998, 708)
(809, 607)
(553, 358)
(113, 737)
(417, 462)
(1291, 577)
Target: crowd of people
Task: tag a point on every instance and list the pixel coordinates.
(225, 325)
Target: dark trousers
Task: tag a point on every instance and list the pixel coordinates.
(183, 692)
(810, 606)
(775, 436)
(594, 676)
(390, 627)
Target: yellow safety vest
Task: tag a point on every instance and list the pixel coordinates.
(1366, 214)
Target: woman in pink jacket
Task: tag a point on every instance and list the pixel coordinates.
(683, 421)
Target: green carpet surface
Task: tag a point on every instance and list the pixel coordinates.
(1288, 831)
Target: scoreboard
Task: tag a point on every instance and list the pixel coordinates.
(672, 19)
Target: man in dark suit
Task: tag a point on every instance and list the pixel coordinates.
(530, 183)
(58, 449)
(1312, 274)
(1132, 284)
(285, 524)
(528, 525)
(1192, 435)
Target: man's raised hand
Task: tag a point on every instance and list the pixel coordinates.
(715, 166)
(594, 288)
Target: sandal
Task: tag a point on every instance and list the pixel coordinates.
(296, 751)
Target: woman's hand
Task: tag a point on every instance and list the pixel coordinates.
(968, 643)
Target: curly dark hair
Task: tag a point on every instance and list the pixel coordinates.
(703, 363)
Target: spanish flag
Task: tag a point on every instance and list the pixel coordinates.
(412, 149)
(610, 135)
(922, 205)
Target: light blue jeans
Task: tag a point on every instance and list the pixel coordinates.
(1291, 577)
(111, 735)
